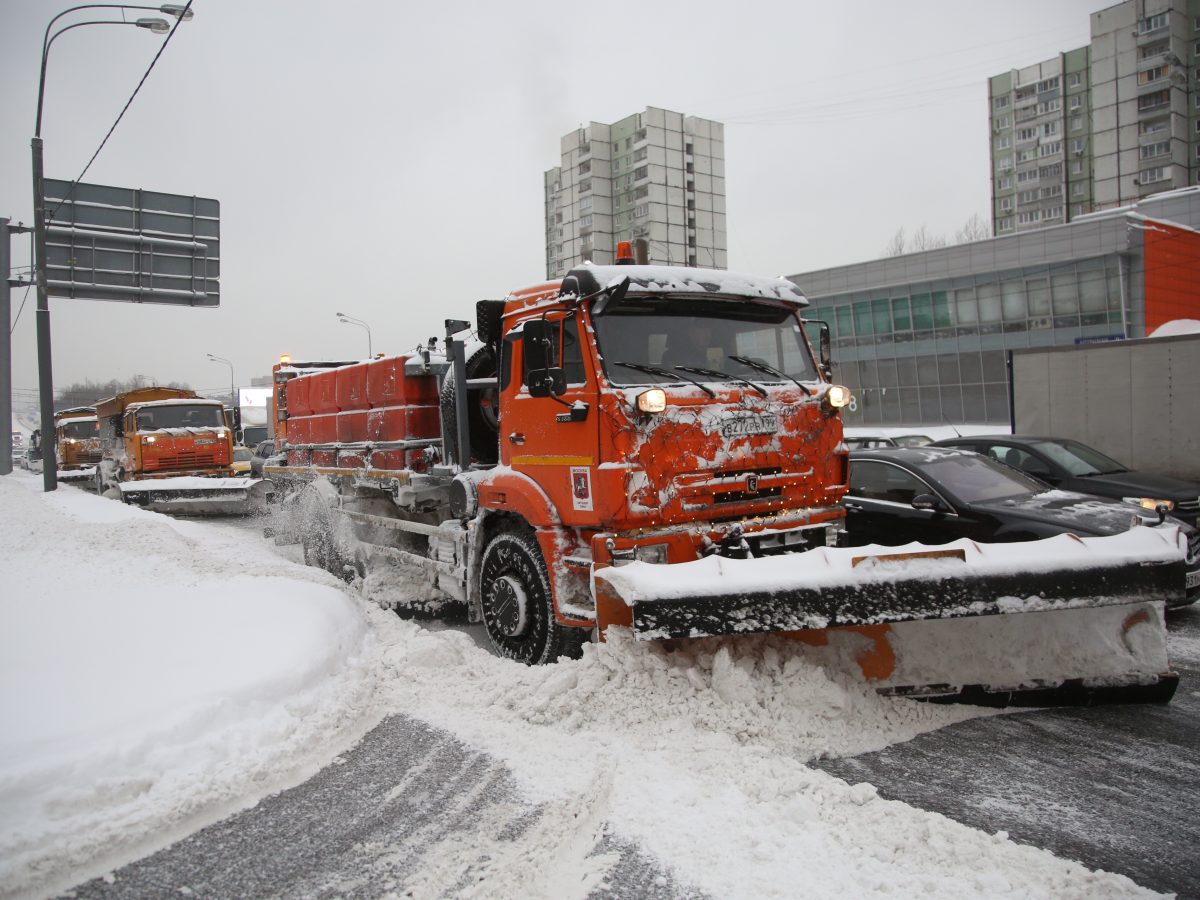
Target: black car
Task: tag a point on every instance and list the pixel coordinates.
(1073, 466)
(935, 495)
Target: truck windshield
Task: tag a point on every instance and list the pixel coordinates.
(726, 339)
(80, 428)
(182, 415)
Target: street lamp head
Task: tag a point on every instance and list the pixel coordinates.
(158, 26)
(179, 12)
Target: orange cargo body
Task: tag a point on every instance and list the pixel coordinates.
(297, 398)
(352, 427)
(299, 430)
(351, 387)
(322, 391)
(352, 459)
(403, 423)
(399, 459)
(324, 457)
(323, 429)
(298, 457)
(387, 385)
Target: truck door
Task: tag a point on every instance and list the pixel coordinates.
(554, 440)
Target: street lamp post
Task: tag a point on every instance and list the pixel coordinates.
(45, 368)
(350, 320)
(232, 390)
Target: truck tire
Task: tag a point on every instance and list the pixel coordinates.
(483, 427)
(518, 611)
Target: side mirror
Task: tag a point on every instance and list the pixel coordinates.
(928, 502)
(613, 295)
(543, 380)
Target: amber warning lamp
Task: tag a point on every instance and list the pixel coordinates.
(624, 253)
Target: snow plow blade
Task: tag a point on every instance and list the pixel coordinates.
(86, 474)
(1061, 620)
(199, 496)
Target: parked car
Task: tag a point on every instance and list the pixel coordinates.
(868, 442)
(31, 459)
(263, 452)
(1073, 466)
(934, 495)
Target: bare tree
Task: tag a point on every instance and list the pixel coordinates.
(923, 239)
(975, 228)
(897, 246)
(87, 392)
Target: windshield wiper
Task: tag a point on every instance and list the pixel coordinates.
(667, 373)
(724, 376)
(770, 370)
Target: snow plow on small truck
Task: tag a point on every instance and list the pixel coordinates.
(169, 450)
(661, 449)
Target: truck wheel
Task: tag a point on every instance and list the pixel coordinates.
(518, 612)
(483, 427)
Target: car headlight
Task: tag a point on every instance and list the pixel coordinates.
(1150, 502)
(837, 396)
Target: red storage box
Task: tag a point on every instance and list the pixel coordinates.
(297, 397)
(323, 429)
(322, 391)
(299, 430)
(351, 382)
(387, 385)
(352, 427)
(403, 423)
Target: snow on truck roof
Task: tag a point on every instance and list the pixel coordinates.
(677, 280)
(180, 401)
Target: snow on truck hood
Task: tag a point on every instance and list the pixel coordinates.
(676, 280)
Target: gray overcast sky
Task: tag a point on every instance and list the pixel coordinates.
(385, 159)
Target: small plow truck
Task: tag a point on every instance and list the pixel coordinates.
(76, 443)
(169, 450)
(661, 449)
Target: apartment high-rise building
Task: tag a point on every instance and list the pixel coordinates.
(656, 178)
(1100, 126)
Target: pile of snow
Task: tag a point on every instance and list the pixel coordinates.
(154, 675)
(933, 432)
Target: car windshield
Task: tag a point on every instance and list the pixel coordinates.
(80, 428)
(1079, 459)
(182, 415)
(974, 478)
(649, 340)
(242, 455)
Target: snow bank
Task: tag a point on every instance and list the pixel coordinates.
(698, 752)
(154, 675)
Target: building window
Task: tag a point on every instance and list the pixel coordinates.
(1049, 129)
(1154, 100)
(1156, 49)
(1005, 163)
(1000, 102)
(1053, 171)
(1049, 84)
(1152, 74)
(1028, 196)
(585, 167)
(585, 221)
(1050, 149)
(1001, 123)
(1152, 23)
(1049, 106)
(1159, 148)
(1006, 205)
(1003, 142)
(1027, 175)
(1027, 155)
(1004, 225)
(641, 192)
(1027, 134)
(641, 209)
(1004, 183)
(1074, 79)
(641, 172)
(1054, 212)
(1077, 190)
(1076, 123)
(585, 185)
(1154, 126)
(1077, 145)
(639, 135)
(1055, 190)
(1152, 176)
(585, 203)
(639, 154)
(1028, 217)
(1077, 101)
(1077, 167)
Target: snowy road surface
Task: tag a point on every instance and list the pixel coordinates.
(633, 771)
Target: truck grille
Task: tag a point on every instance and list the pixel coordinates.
(183, 460)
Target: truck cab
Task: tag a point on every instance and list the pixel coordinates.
(76, 441)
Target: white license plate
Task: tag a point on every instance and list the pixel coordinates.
(1192, 580)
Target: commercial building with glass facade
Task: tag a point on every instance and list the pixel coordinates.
(923, 339)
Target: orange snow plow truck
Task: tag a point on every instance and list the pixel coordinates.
(661, 449)
(170, 450)
(76, 443)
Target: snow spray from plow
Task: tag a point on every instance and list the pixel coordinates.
(1063, 620)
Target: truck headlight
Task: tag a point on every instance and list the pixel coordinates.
(837, 396)
(651, 553)
(652, 401)
(150, 440)
(1150, 502)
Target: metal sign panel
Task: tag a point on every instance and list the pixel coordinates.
(130, 245)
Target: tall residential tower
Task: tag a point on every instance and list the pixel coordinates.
(656, 178)
(1100, 126)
